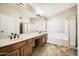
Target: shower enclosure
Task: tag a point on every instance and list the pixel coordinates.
(71, 30)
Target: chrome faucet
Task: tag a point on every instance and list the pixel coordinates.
(14, 36)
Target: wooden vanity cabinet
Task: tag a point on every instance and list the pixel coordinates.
(23, 48)
(41, 40)
(44, 39)
(26, 50)
(30, 49)
(14, 53)
(37, 42)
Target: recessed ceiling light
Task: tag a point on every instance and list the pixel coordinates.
(20, 4)
(38, 12)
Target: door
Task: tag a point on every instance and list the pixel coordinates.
(72, 30)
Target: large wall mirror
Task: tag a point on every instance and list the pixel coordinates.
(10, 25)
(7, 24)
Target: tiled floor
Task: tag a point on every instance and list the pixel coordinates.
(53, 50)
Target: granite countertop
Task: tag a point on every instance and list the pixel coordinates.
(22, 37)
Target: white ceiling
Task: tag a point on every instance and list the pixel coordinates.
(45, 9)
(21, 10)
(50, 9)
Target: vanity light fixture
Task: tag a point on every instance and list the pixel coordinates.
(38, 12)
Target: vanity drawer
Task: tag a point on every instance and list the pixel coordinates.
(29, 40)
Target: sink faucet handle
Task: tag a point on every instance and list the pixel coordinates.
(12, 34)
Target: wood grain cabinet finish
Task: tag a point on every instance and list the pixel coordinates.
(14, 53)
(46, 38)
(26, 50)
(30, 49)
(23, 48)
(43, 40)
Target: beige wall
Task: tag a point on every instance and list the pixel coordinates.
(56, 25)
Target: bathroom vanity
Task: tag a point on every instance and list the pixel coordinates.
(23, 45)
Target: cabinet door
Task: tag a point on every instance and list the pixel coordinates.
(29, 49)
(26, 50)
(43, 40)
(14, 53)
(46, 38)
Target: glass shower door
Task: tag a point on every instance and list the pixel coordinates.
(72, 30)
